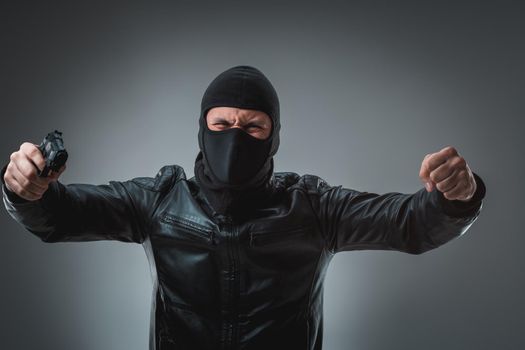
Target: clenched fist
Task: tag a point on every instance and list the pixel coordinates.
(21, 175)
(449, 173)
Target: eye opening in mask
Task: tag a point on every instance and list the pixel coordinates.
(208, 130)
(234, 156)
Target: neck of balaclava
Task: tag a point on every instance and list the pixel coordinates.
(239, 200)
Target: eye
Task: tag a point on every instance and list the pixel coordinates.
(221, 123)
(250, 126)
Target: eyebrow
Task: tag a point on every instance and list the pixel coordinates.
(220, 119)
(259, 121)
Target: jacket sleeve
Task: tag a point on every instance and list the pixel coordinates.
(411, 223)
(117, 211)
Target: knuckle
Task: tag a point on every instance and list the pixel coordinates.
(32, 179)
(24, 183)
(450, 150)
(24, 193)
(15, 186)
(13, 156)
(31, 175)
(458, 162)
(26, 146)
(8, 180)
(33, 151)
(23, 171)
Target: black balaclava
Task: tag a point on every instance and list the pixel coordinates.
(233, 168)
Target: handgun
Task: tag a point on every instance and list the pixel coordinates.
(54, 152)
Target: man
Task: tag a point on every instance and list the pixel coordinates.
(239, 253)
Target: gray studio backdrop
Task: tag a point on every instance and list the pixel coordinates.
(366, 89)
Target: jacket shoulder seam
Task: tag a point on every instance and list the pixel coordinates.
(315, 185)
(164, 180)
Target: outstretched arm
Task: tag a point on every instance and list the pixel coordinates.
(412, 223)
(76, 212)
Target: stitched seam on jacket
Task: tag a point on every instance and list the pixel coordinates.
(325, 248)
(160, 200)
(135, 212)
(147, 227)
(317, 219)
(329, 248)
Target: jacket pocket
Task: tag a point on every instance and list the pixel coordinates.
(189, 229)
(278, 236)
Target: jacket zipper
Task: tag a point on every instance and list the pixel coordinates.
(191, 229)
(235, 287)
(230, 327)
(276, 236)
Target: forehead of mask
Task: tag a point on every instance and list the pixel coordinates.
(254, 122)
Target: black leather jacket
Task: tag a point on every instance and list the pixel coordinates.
(256, 284)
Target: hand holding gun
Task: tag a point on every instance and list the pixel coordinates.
(33, 167)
